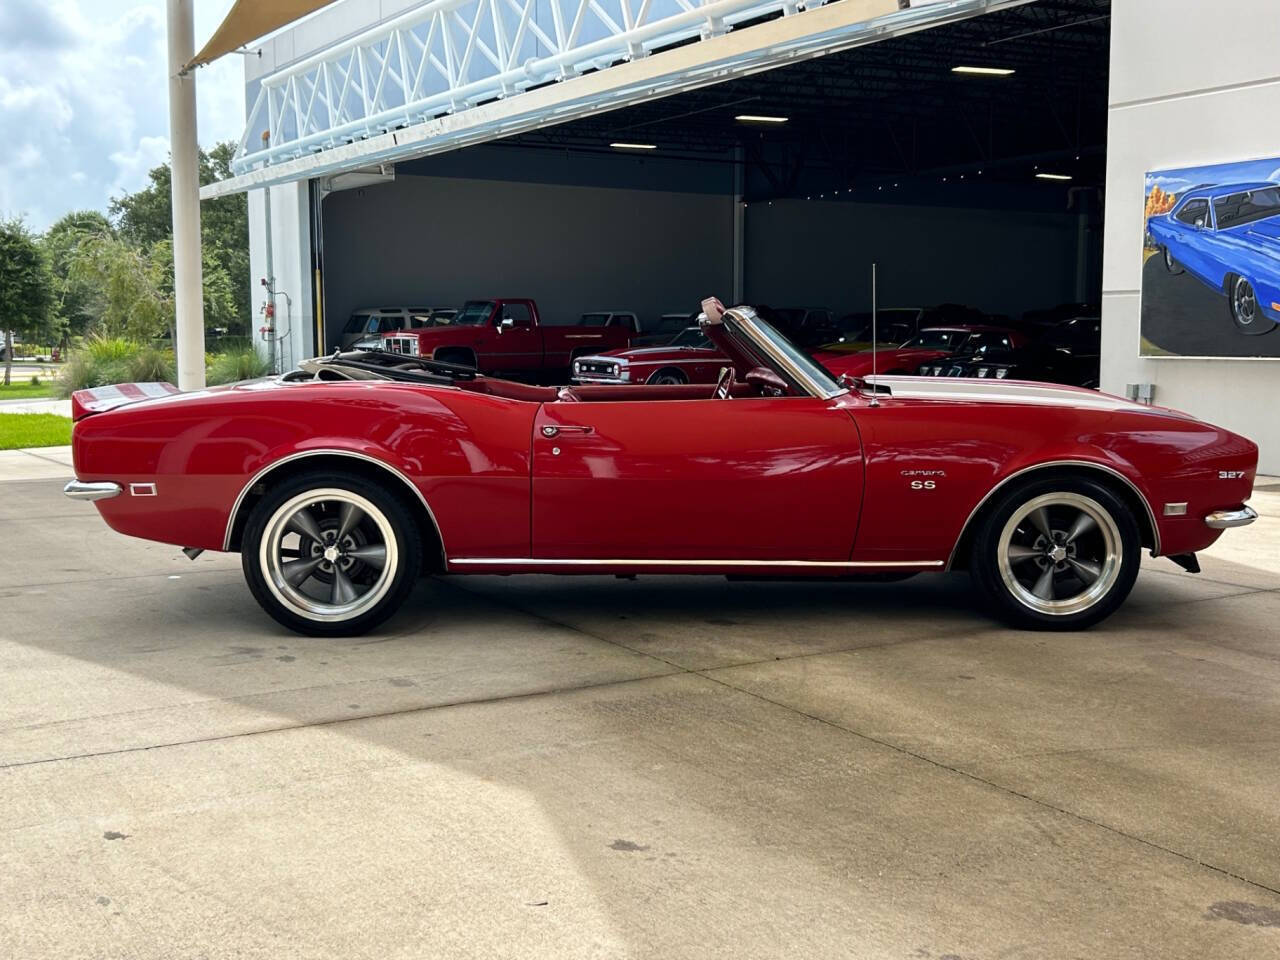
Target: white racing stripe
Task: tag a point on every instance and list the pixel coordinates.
(997, 391)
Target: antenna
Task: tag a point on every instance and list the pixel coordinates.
(875, 387)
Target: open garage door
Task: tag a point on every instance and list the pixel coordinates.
(966, 160)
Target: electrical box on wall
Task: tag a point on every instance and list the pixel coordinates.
(1140, 392)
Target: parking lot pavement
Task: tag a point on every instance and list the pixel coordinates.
(553, 767)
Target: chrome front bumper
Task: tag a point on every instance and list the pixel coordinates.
(78, 490)
(1226, 519)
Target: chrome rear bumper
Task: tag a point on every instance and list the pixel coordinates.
(78, 490)
(1226, 519)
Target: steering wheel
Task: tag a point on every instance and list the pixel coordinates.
(724, 386)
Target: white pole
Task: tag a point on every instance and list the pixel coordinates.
(187, 281)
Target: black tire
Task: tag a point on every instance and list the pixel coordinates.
(1013, 588)
(1170, 264)
(385, 519)
(1246, 312)
(669, 376)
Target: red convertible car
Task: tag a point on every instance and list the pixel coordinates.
(689, 358)
(341, 482)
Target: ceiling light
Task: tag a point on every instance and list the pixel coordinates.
(983, 71)
(1053, 176)
(759, 118)
(634, 146)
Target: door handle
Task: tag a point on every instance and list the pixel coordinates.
(550, 431)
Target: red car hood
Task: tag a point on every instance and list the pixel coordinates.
(859, 364)
(660, 354)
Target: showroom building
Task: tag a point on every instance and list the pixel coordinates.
(639, 155)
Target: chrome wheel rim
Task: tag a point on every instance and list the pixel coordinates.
(1244, 301)
(329, 554)
(1060, 553)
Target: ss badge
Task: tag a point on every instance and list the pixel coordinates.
(924, 484)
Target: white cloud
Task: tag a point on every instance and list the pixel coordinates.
(84, 100)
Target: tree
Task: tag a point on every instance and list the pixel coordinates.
(26, 288)
(145, 218)
(136, 291)
(78, 303)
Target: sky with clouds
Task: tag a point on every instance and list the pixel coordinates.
(84, 108)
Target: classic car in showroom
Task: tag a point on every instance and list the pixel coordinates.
(341, 482)
(931, 344)
(689, 358)
(1228, 238)
(1068, 353)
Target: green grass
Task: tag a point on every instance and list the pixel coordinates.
(26, 390)
(19, 430)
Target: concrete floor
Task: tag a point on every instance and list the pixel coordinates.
(542, 767)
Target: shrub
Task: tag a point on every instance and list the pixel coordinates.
(78, 373)
(149, 365)
(110, 349)
(107, 360)
(236, 365)
(35, 381)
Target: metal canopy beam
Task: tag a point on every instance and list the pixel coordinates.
(330, 113)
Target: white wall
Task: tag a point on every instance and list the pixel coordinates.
(291, 252)
(1192, 82)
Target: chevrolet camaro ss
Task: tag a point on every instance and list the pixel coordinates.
(342, 482)
(1228, 237)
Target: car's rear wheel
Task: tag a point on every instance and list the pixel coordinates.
(1170, 264)
(668, 376)
(331, 554)
(1056, 554)
(1245, 311)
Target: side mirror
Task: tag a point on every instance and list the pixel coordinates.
(506, 323)
(1200, 224)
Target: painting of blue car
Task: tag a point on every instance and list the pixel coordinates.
(1211, 261)
(1228, 237)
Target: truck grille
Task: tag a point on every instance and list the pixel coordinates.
(405, 345)
(595, 368)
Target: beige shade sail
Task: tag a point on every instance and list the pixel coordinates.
(250, 19)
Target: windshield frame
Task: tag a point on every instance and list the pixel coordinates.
(762, 339)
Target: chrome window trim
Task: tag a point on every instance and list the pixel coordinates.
(645, 562)
(748, 322)
(328, 452)
(1155, 528)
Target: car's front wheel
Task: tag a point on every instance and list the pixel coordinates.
(331, 554)
(668, 377)
(1056, 554)
(1245, 312)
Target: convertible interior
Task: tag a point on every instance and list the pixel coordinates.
(759, 381)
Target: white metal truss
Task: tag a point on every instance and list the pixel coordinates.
(449, 73)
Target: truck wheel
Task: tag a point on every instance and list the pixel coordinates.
(668, 376)
(330, 554)
(1056, 554)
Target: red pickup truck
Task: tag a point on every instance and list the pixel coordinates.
(506, 336)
